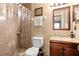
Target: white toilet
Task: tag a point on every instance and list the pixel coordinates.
(37, 44)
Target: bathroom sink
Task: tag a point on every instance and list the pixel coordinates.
(62, 38)
(67, 39)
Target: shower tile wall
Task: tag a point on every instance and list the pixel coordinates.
(8, 38)
(9, 25)
(25, 38)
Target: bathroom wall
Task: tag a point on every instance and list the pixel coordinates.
(46, 30)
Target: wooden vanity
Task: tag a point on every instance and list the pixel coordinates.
(63, 48)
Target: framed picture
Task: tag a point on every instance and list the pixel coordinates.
(38, 11)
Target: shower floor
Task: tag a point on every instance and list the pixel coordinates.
(19, 52)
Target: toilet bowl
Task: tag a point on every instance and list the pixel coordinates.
(33, 51)
(37, 44)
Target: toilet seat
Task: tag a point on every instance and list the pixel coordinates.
(33, 51)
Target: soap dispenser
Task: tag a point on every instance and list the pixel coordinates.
(72, 34)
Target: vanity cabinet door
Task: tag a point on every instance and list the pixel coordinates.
(70, 51)
(58, 48)
(55, 49)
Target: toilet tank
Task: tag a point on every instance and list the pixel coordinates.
(37, 42)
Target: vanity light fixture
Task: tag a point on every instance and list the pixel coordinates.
(57, 4)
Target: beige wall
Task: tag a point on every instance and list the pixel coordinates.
(46, 30)
(27, 5)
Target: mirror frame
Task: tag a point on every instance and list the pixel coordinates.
(68, 7)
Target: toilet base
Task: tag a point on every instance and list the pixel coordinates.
(41, 52)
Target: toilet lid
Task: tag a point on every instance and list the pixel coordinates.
(33, 51)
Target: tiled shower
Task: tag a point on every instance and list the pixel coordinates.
(15, 28)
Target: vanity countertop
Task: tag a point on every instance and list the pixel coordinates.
(66, 39)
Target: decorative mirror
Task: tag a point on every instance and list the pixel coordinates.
(61, 18)
(76, 13)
